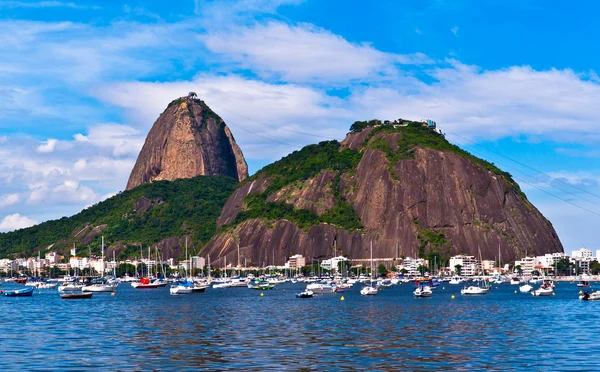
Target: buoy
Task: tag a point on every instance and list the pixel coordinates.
(580, 292)
(553, 294)
(515, 291)
(112, 293)
(261, 294)
(452, 297)
(443, 287)
(342, 298)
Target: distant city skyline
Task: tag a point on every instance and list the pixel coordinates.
(82, 82)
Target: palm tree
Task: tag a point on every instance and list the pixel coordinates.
(458, 269)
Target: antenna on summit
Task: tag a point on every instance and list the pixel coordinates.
(192, 95)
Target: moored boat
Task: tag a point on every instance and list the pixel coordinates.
(305, 294)
(587, 296)
(25, 292)
(76, 296)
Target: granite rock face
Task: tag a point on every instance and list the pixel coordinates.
(188, 140)
(399, 204)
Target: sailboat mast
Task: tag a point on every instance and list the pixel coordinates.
(102, 259)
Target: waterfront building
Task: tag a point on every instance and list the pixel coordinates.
(7, 265)
(296, 261)
(488, 265)
(527, 265)
(52, 258)
(412, 265)
(582, 253)
(469, 265)
(333, 263)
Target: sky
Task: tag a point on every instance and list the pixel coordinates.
(513, 82)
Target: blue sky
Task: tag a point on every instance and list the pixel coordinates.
(82, 82)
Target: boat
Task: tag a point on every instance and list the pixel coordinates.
(25, 292)
(146, 283)
(515, 281)
(319, 288)
(75, 296)
(200, 287)
(386, 283)
(222, 285)
(423, 288)
(370, 290)
(583, 283)
(182, 287)
(305, 294)
(526, 288)
(260, 284)
(546, 289)
(70, 287)
(587, 296)
(535, 280)
(474, 290)
(456, 280)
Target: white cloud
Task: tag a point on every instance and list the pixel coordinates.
(454, 30)
(16, 221)
(489, 104)
(8, 200)
(47, 146)
(304, 53)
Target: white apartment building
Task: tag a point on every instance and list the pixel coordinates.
(469, 265)
(333, 263)
(488, 265)
(7, 265)
(52, 258)
(412, 264)
(79, 262)
(527, 265)
(582, 253)
(297, 261)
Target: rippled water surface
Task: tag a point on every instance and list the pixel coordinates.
(236, 328)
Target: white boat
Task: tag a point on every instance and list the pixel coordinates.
(525, 288)
(319, 288)
(473, 290)
(181, 288)
(423, 291)
(370, 290)
(100, 284)
(456, 280)
(587, 296)
(515, 281)
(535, 280)
(546, 289)
(70, 287)
(100, 287)
(238, 282)
(543, 292)
(222, 285)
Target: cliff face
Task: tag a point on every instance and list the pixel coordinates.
(411, 201)
(188, 140)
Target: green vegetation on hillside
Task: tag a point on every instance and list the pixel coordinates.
(186, 206)
(299, 166)
(417, 135)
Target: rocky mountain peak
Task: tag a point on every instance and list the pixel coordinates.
(187, 140)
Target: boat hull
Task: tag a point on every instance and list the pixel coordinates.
(76, 296)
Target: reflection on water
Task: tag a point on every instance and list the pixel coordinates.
(232, 329)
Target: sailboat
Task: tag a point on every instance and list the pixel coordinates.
(479, 289)
(100, 284)
(145, 282)
(184, 286)
(370, 290)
